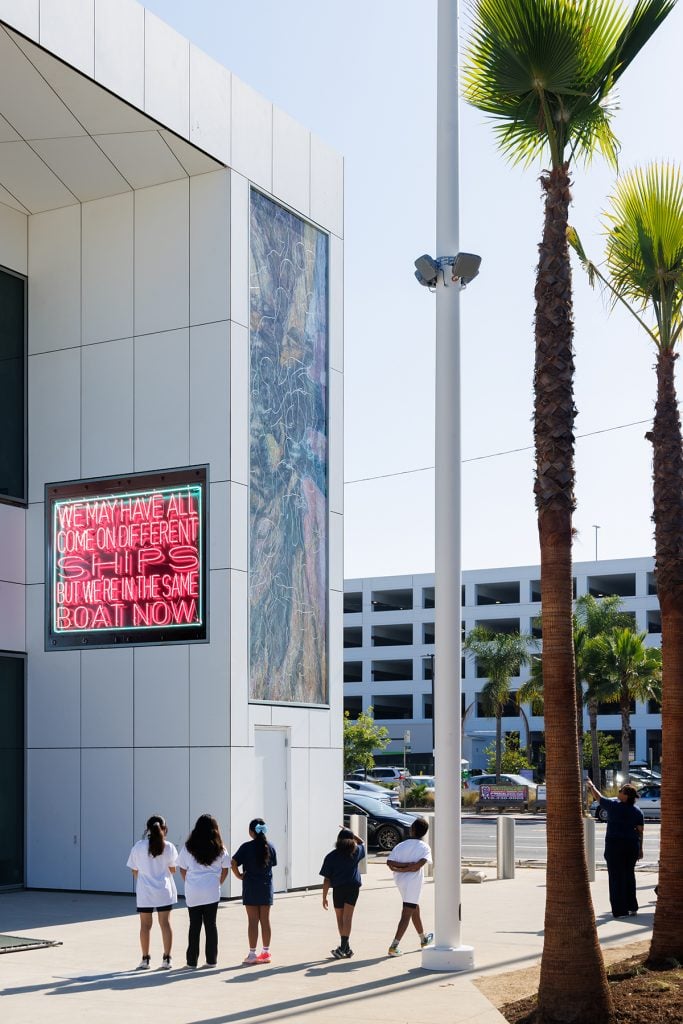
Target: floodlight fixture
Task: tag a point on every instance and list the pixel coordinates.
(427, 271)
(464, 268)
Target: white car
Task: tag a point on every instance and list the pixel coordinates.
(388, 796)
(505, 779)
(649, 801)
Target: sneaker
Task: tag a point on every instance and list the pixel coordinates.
(144, 964)
(250, 959)
(263, 958)
(190, 967)
(427, 939)
(348, 953)
(394, 950)
(338, 953)
(166, 963)
(207, 964)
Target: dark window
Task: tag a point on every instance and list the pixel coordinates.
(396, 706)
(12, 386)
(353, 602)
(392, 600)
(353, 636)
(354, 706)
(353, 671)
(11, 771)
(608, 708)
(387, 671)
(392, 636)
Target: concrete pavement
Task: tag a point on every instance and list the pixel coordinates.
(90, 976)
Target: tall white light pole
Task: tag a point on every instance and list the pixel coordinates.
(447, 953)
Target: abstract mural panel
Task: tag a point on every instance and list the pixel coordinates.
(288, 566)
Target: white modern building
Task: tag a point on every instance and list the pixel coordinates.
(389, 647)
(171, 480)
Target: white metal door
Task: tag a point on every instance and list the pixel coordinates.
(272, 795)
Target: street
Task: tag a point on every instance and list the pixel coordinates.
(479, 840)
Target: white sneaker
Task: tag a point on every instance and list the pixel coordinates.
(166, 963)
(144, 964)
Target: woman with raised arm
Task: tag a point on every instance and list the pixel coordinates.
(623, 847)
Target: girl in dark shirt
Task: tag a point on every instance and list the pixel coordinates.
(256, 859)
(623, 847)
(341, 873)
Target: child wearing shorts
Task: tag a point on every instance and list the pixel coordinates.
(341, 873)
(152, 861)
(407, 861)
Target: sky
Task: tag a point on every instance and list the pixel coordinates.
(362, 75)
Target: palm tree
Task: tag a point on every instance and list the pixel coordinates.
(595, 617)
(628, 671)
(591, 619)
(644, 272)
(500, 656)
(545, 72)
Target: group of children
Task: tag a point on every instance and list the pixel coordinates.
(341, 873)
(204, 863)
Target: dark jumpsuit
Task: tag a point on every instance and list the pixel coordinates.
(622, 846)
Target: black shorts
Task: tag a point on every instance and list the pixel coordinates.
(150, 910)
(411, 906)
(345, 894)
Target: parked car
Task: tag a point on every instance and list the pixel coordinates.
(503, 780)
(649, 801)
(386, 826)
(388, 796)
(392, 776)
(423, 780)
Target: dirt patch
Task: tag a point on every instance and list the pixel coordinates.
(641, 995)
(502, 989)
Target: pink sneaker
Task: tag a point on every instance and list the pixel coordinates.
(263, 958)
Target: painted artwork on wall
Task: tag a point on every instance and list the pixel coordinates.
(288, 565)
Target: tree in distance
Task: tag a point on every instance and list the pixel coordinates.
(361, 738)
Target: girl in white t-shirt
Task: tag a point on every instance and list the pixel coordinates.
(204, 864)
(407, 861)
(152, 861)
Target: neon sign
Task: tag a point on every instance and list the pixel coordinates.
(125, 560)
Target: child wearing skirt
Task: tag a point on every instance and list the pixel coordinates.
(253, 864)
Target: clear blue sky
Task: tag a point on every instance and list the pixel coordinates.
(362, 76)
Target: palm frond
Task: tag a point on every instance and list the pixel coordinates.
(544, 71)
(644, 250)
(576, 244)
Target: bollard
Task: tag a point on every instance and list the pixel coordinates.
(358, 823)
(505, 841)
(589, 846)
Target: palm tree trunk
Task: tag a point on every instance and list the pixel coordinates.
(572, 988)
(625, 711)
(667, 443)
(499, 742)
(595, 746)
